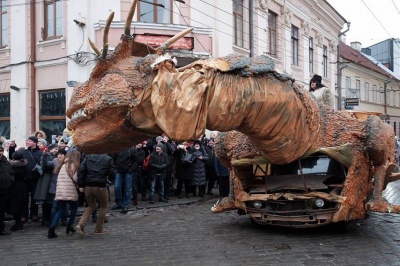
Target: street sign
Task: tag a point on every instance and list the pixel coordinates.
(352, 101)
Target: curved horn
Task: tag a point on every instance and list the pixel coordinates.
(166, 44)
(95, 49)
(129, 18)
(105, 37)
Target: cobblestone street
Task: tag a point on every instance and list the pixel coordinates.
(192, 235)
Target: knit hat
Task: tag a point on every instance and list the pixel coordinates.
(317, 78)
(160, 145)
(43, 141)
(34, 139)
(52, 146)
(196, 141)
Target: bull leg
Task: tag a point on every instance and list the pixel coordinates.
(378, 203)
(227, 203)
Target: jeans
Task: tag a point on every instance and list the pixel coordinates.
(92, 194)
(32, 210)
(123, 188)
(159, 181)
(62, 208)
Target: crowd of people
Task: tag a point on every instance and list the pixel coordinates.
(59, 178)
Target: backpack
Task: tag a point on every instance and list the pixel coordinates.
(146, 162)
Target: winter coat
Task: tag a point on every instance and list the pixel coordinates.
(198, 166)
(6, 175)
(33, 156)
(123, 161)
(158, 164)
(42, 188)
(220, 169)
(53, 182)
(95, 169)
(141, 154)
(183, 171)
(66, 188)
(17, 190)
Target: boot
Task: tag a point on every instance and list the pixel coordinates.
(51, 233)
(70, 229)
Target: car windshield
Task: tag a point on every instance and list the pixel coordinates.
(318, 164)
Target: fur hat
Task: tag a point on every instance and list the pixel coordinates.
(317, 78)
(34, 139)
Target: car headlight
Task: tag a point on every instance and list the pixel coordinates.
(319, 203)
(257, 204)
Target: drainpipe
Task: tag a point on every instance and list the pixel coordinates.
(251, 33)
(339, 69)
(32, 78)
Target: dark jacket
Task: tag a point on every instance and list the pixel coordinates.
(183, 171)
(94, 170)
(42, 188)
(198, 166)
(123, 161)
(158, 164)
(17, 190)
(141, 154)
(6, 175)
(220, 169)
(33, 156)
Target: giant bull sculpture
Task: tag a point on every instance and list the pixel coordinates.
(137, 92)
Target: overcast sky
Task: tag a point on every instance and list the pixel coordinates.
(372, 21)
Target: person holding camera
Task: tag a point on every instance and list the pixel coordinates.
(33, 154)
(199, 168)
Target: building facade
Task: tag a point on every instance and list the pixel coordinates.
(376, 87)
(45, 51)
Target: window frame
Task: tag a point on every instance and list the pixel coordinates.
(358, 89)
(348, 87)
(295, 45)
(366, 91)
(45, 33)
(238, 19)
(325, 60)
(4, 33)
(6, 118)
(43, 118)
(156, 12)
(311, 54)
(272, 33)
(374, 93)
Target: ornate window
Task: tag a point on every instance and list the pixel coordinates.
(53, 19)
(238, 21)
(5, 115)
(272, 18)
(4, 23)
(155, 11)
(52, 112)
(295, 46)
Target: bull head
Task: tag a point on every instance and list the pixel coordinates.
(114, 104)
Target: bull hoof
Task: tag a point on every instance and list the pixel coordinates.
(224, 204)
(379, 205)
